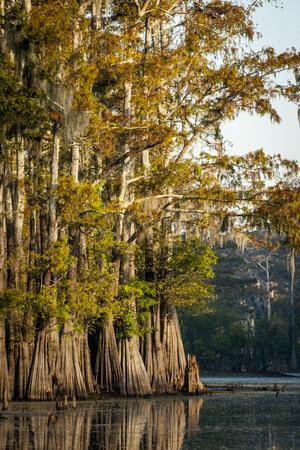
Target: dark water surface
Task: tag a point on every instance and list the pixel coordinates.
(247, 379)
(246, 420)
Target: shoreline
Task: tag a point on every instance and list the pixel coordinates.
(212, 390)
(214, 384)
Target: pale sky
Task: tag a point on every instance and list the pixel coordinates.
(281, 29)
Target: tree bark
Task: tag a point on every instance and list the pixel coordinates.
(73, 367)
(133, 368)
(3, 360)
(292, 328)
(109, 375)
(21, 350)
(96, 20)
(42, 374)
(3, 355)
(174, 357)
(68, 370)
(192, 381)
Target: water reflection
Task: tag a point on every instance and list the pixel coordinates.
(41, 431)
(221, 422)
(146, 424)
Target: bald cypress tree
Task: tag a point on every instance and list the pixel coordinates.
(114, 181)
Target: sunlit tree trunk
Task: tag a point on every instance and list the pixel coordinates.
(3, 355)
(153, 347)
(82, 339)
(9, 219)
(74, 367)
(292, 328)
(27, 6)
(40, 386)
(18, 350)
(133, 368)
(22, 351)
(108, 369)
(96, 21)
(156, 359)
(268, 289)
(174, 357)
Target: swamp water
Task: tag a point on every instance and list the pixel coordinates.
(242, 420)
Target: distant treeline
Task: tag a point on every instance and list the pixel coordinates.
(235, 334)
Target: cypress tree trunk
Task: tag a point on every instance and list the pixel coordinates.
(82, 339)
(27, 6)
(159, 377)
(134, 372)
(96, 21)
(108, 372)
(167, 359)
(10, 279)
(68, 368)
(23, 360)
(146, 352)
(42, 374)
(21, 350)
(3, 360)
(109, 375)
(133, 368)
(174, 357)
(19, 208)
(291, 309)
(40, 382)
(154, 351)
(3, 355)
(18, 351)
(132, 364)
(85, 362)
(74, 357)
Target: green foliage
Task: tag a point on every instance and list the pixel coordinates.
(222, 341)
(15, 14)
(12, 298)
(136, 298)
(57, 260)
(42, 305)
(190, 267)
(21, 108)
(186, 80)
(272, 338)
(79, 203)
(234, 332)
(282, 212)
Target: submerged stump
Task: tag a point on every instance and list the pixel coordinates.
(192, 383)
